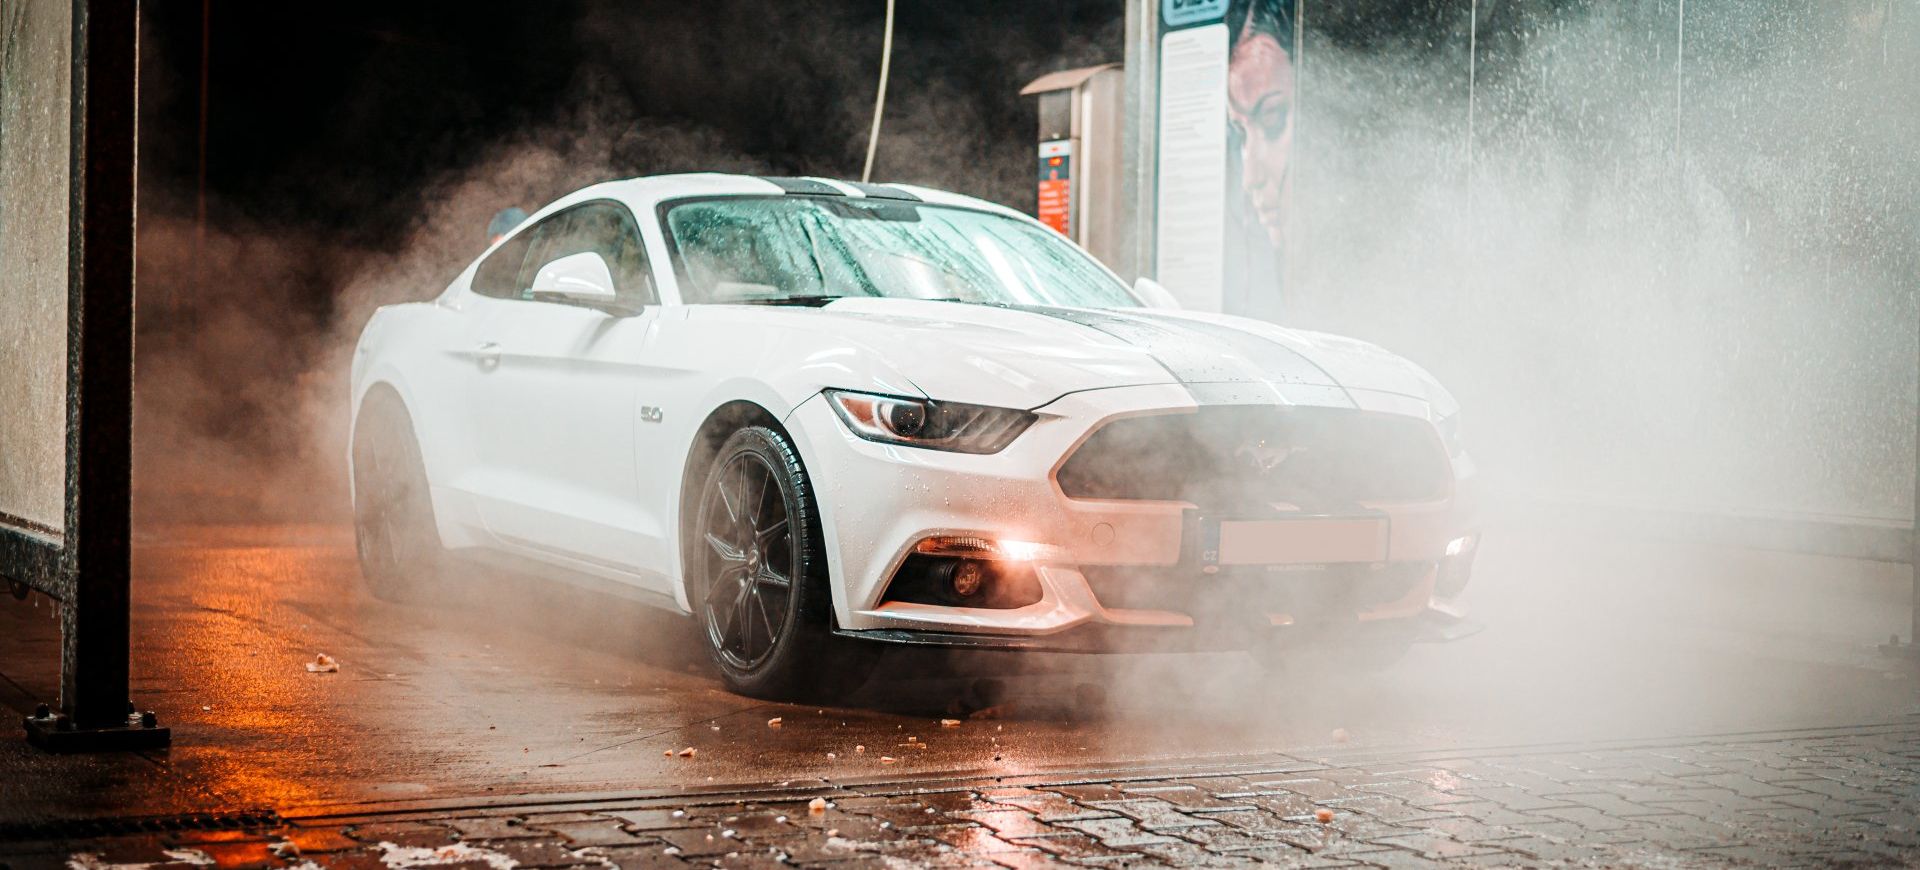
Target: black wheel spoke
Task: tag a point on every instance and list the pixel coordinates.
(724, 550)
(769, 577)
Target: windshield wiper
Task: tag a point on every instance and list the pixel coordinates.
(814, 301)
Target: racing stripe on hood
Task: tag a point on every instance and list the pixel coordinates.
(1217, 364)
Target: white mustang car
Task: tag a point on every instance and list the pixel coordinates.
(817, 414)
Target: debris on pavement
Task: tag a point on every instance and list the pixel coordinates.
(1323, 815)
(817, 807)
(688, 752)
(888, 759)
(1340, 735)
(774, 722)
(949, 723)
(323, 664)
(859, 749)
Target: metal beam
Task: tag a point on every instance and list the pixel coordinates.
(95, 561)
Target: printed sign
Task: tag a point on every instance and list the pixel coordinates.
(1225, 186)
(1056, 186)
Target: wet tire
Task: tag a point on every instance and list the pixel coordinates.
(760, 592)
(394, 532)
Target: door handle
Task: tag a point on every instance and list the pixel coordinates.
(488, 355)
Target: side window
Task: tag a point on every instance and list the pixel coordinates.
(604, 228)
(499, 272)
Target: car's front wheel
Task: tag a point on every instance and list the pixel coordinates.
(761, 594)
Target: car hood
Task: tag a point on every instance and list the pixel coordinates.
(1028, 356)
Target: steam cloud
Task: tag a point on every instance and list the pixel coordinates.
(1654, 287)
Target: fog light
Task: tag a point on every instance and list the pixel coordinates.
(1459, 545)
(976, 547)
(968, 578)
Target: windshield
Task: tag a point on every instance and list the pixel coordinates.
(798, 248)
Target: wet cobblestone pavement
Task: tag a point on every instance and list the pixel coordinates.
(1829, 797)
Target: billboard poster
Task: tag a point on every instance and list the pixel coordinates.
(1226, 99)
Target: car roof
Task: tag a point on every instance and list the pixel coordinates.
(646, 191)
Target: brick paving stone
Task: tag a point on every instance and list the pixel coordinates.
(1470, 830)
(351, 861)
(1030, 859)
(1607, 802)
(1085, 793)
(316, 841)
(1313, 787)
(1417, 793)
(1285, 804)
(603, 832)
(1073, 846)
(1222, 838)
(653, 819)
(759, 860)
(1587, 818)
(1051, 807)
(1515, 799)
(1186, 797)
(973, 839)
(1436, 844)
(402, 834)
(492, 828)
(1386, 809)
(1179, 853)
(698, 841)
(1010, 822)
(533, 853)
(648, 857)
(1254, 820)
(1120, 833)
(1154, 815)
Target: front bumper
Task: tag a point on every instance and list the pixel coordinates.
(1114, 575)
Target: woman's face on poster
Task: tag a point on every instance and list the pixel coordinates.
(1260, 107)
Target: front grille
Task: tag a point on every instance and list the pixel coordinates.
(1322, 460)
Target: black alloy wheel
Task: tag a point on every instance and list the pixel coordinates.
(762, 596)
(394, 532)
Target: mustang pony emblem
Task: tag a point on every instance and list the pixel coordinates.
(1264, 456)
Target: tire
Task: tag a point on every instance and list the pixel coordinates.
(760, 589)
(394, 531)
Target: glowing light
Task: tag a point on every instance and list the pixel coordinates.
(1459, 545)
(976, 547)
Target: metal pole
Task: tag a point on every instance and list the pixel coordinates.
(880, 97)
(100, 404)
(95, 558)
(1679, 78)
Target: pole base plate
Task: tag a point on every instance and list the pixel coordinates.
(57, 733)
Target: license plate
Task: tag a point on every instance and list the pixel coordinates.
(1303, 541)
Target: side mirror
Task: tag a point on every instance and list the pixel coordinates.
(576, 279)
(1154, 295)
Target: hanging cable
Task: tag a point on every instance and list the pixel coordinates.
(880, 98)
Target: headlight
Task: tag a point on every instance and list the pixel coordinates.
(926, 423)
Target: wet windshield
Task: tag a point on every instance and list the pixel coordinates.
(793, 249)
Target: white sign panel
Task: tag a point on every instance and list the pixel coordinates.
(1189, 218)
